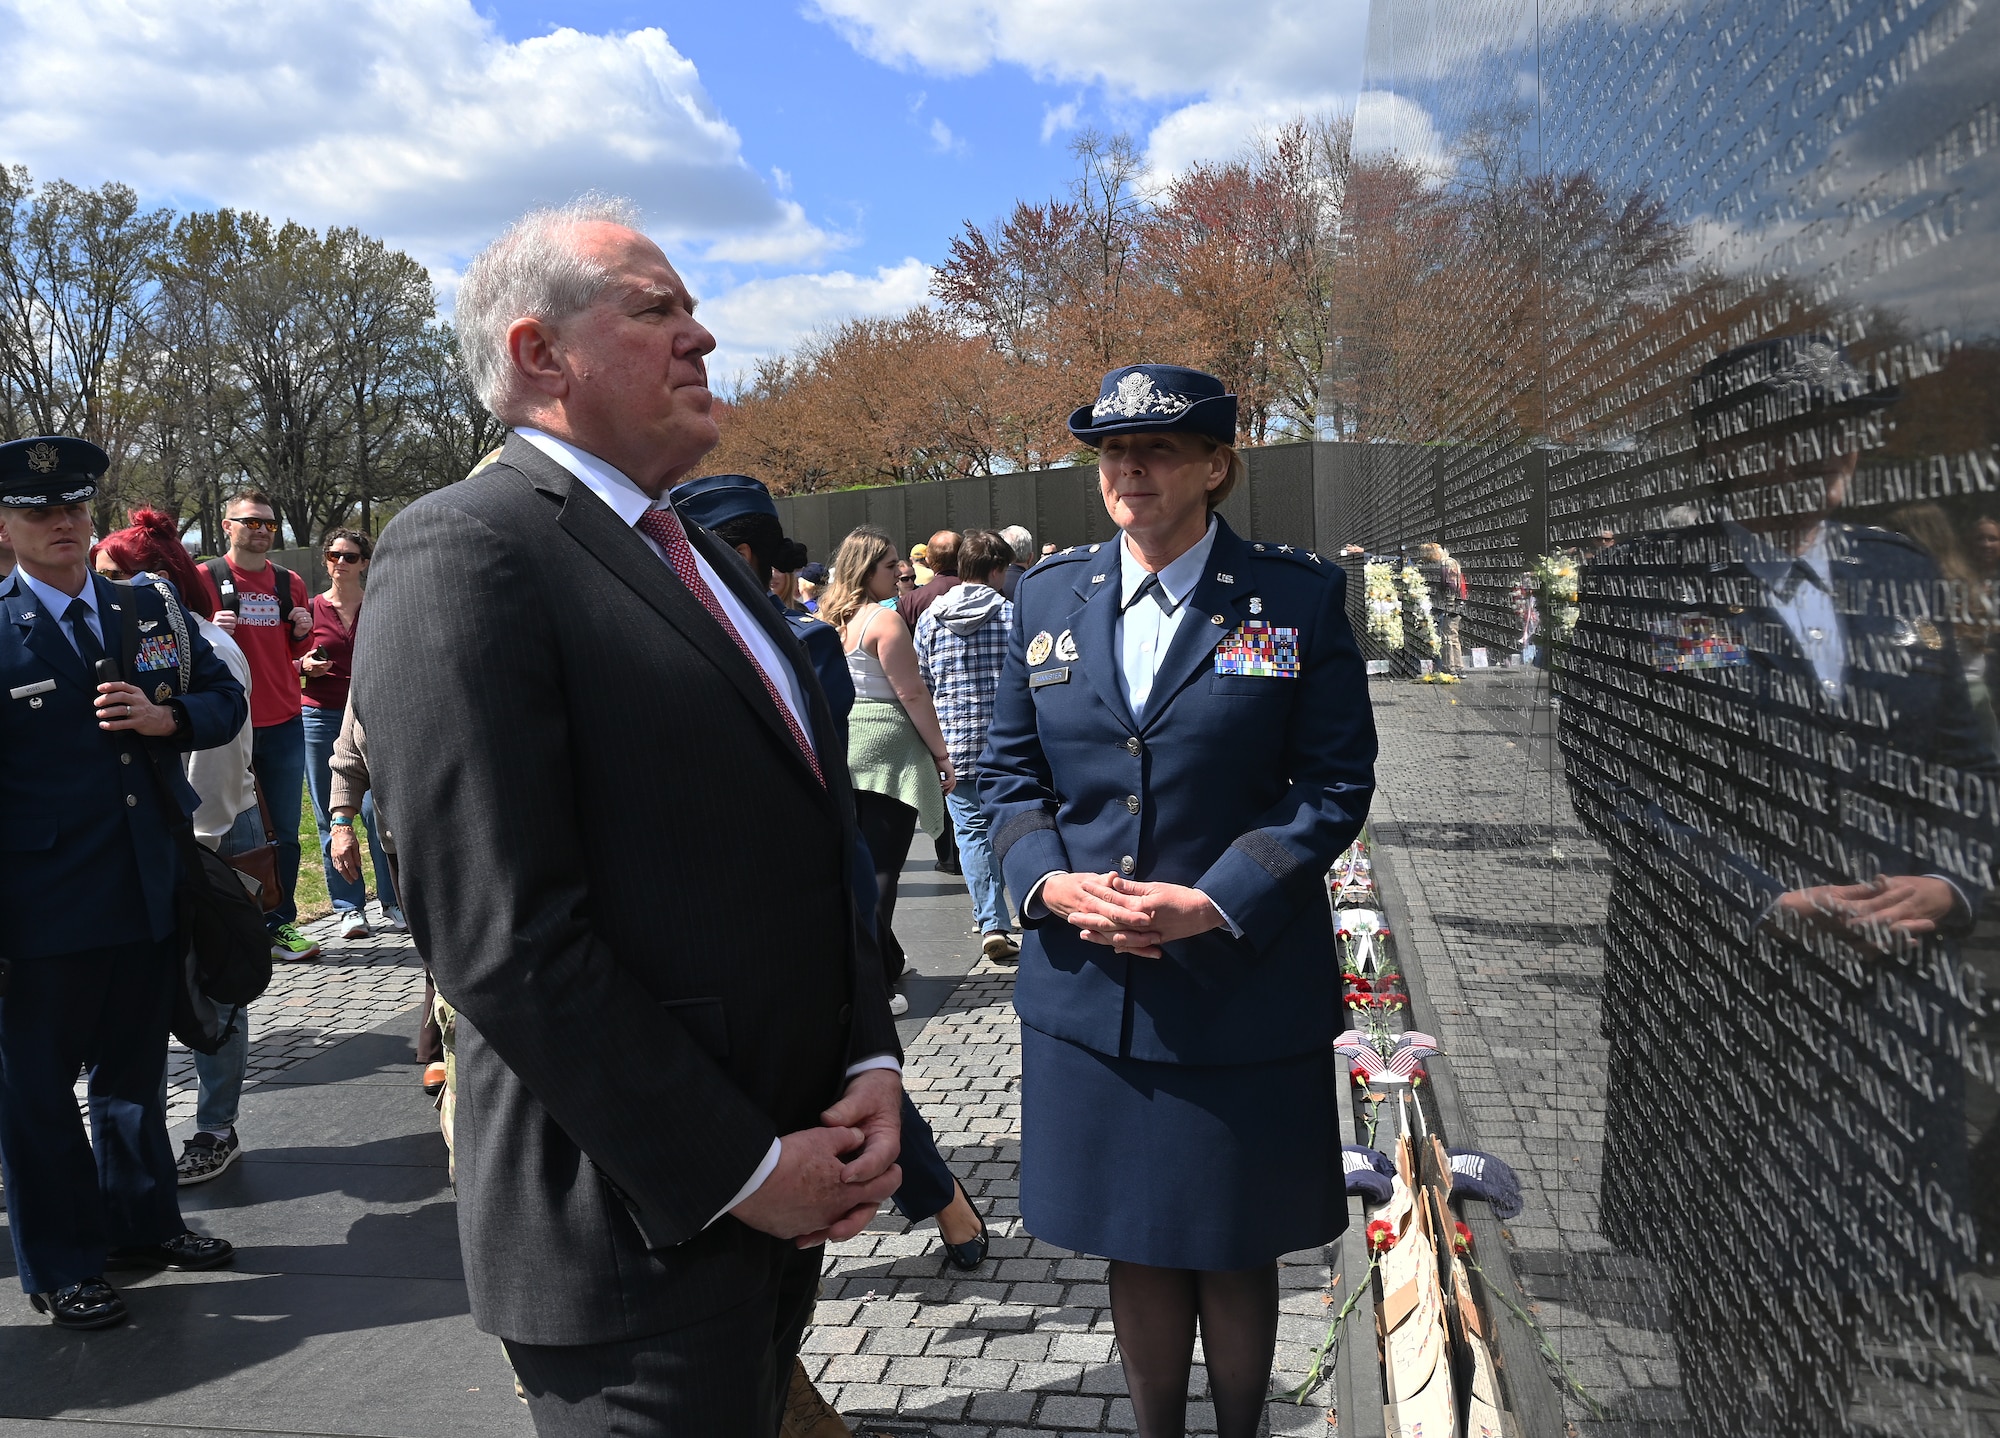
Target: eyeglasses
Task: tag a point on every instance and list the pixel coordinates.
(266, 524)
(343, 556)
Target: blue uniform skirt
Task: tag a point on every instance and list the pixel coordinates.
(1176, 1165)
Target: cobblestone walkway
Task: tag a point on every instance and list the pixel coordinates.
(350, 988)
(1504, 891)
(903, 1343)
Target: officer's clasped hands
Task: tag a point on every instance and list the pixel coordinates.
(1130, 917)
(123, 706)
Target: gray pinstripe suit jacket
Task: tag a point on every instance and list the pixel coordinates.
(585, 773)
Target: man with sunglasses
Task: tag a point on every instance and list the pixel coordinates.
(263, 607)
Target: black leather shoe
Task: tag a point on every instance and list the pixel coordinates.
(93, 1303)
(970, 1254)
(187, 1253)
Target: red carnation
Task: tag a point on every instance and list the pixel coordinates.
(1381, 1236)
(1461, 1238)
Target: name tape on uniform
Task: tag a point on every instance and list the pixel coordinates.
(28, 691)
(1049, 676)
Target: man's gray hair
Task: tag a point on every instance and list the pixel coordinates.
(1023, 542)
(535, 269)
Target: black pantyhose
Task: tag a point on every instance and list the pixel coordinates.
(1156, 1310)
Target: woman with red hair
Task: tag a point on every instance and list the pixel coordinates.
(150, 547)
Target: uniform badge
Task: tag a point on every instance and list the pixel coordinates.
(1065, 646)
(1039, 647)
(1928, 636)
(162, 694)
(1696, 642)
(1225, 579)
(29, 691)
(1256, 605)
(157, 652)
(43, 458)
(147, 626)
(1259, 651)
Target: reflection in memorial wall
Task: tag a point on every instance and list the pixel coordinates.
(1701, 303)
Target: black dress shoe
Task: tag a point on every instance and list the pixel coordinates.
(970, 1254)
(187, 1253)
(93, 1303)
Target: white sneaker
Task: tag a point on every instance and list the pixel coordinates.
(353, 924)
(393, 920)
(899, 1004)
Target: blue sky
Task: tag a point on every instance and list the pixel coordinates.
(800, 160)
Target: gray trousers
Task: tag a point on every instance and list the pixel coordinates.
(725, 1377)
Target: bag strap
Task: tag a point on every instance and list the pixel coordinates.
(225, 585)
(177, 618)
(181, 824)
(264, 812)
(292, 586)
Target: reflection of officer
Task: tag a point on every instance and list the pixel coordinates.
(87, 877)
(1181, 746)
(1764, 718)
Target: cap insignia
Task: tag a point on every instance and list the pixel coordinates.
(1137, 395)
(43, 458)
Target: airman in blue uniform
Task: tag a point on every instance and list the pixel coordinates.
(96, 680)
(1181, 746)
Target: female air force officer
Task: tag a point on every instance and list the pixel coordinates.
(1182, 746)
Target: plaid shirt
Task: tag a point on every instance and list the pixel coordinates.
(963, 674)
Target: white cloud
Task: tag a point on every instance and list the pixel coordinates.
(1386, 123)
(1058, 118)
(414, 119)
(1266, 61)
(769, 317)
(943, 141)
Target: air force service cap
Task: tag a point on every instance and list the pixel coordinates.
(48, 470)
(718, 498)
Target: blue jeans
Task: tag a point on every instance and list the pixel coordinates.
(278, 755)
(322, 727)
(975, 856)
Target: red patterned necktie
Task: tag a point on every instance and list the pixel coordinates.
(663, 527)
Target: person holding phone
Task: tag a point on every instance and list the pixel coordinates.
(93, 796)
(328, 668)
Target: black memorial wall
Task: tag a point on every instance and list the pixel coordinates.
(1709, 295)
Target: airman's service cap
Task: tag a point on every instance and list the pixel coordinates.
(48, 470)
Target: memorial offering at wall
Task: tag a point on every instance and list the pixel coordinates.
(1684, 338)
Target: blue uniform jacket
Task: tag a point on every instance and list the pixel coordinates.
(87, 853)
(1245, 787)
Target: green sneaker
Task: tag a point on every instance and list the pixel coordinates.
(287, 943)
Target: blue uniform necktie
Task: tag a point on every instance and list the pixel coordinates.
(78, 615)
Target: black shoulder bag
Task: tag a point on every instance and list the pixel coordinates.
(226, 951)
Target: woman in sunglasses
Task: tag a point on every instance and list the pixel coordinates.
(328, 667)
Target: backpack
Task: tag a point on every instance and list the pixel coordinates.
(225, 585)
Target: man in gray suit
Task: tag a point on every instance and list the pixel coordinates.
(676, 1078)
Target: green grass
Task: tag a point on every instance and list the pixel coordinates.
(311, 893)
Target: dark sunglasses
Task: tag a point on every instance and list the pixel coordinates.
(343, 556)
(270, 524)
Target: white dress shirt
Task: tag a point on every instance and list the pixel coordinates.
(1146, 629)
(56, 605)
(630, 503)
(1812, 616)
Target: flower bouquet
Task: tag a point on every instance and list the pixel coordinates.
(1419, 590)
(1553, 582)
(1385, 610)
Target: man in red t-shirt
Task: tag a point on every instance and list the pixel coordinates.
(273, 628)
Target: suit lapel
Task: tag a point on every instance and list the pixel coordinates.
(1195, 640)
(1094, 627)
(728, 564)
(619, 548)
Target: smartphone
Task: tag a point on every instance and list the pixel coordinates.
(318, 651)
